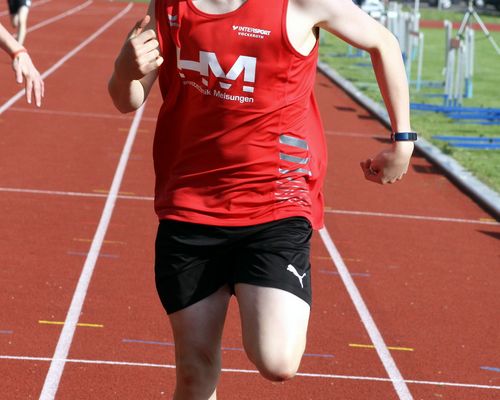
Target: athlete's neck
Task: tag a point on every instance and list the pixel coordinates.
(218, 6)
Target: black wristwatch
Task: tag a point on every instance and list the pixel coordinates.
(404, 136)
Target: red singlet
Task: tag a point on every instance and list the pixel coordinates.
(239, 139)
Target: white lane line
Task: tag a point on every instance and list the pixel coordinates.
(60, 16)
(63, 345)
(73, 194)
(77, 114)
(250, 371)
(409, 216)
(330, 211)
(69, 55)
(35, 4)
(370, 326)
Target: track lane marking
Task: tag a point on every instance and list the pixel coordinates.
(371, 328)
(249, 371)
(43, 322)
(77, 114)
(60, 16)
(370, 346)
(56, 368)
(240, 349)
(481, 221)
(69, 55)
(57, 364)
(414, 217)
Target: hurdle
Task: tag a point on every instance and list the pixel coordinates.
(406, 27)
(459, 66)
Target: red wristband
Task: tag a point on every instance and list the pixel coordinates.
(16, 53)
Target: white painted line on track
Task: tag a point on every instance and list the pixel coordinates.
(249, 371)
(69, 55)
(329, 211)
(56, 368)
(414, 217)
(370, 326)
(74, 194)
(77, 114)
(60, 16)
(35, 4)
(64, 343)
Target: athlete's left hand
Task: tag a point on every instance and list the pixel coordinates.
(390, 165)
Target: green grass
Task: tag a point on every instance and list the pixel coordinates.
(484, 164)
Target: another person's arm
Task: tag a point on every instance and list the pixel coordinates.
(23, 67)
(136, 66)
(347, 21)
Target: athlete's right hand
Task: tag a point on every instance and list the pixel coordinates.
(26, 71)
(140, 53)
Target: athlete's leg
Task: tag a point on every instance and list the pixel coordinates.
(274, 324)
(22, 22)
(197, 334)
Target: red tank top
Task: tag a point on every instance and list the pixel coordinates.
(239, 139)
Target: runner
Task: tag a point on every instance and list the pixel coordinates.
(23, 67)
(19, 10)
(240, 158)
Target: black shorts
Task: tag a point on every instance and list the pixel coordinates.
(193, 261)
(15, 5)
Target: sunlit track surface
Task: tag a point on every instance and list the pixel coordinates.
(421, 255)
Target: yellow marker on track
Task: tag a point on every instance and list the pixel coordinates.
(370, 346)
(79, 324)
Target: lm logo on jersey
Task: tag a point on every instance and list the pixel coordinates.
(208, 62)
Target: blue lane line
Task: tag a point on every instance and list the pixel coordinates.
(435, 107)
(477, 146)
(467, 138)
(475, 117)
(494, 369)
(6, 332)
(475, 122)
(364, 274)
(171, 344)
(487, 117)
(147, 342)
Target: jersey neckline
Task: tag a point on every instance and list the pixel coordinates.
(208, 15)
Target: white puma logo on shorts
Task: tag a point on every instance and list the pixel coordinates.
(294, 271)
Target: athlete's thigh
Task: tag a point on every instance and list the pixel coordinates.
(198, 328)
(22, 13)
(274, 326)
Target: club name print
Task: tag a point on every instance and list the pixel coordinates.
(209, 63)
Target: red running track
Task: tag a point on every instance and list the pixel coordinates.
(423, 256)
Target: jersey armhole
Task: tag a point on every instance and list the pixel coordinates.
(287, 39)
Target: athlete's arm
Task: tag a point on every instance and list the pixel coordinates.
(347, 21)
(23, 67)
(136, 66)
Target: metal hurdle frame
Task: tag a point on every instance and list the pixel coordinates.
(459, 66)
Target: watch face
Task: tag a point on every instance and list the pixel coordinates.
(403, 136)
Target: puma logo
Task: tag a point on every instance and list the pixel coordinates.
(294, 271)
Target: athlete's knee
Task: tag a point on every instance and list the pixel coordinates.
(278, 367)
(278, 372)
(198, 369)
